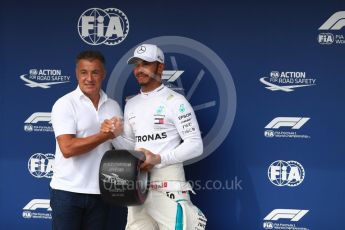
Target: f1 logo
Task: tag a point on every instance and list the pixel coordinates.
(292, 214)
(37, 117)
(38, 203)
(293, 122)
(335, 22)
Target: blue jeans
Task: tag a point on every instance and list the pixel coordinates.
(76, 211)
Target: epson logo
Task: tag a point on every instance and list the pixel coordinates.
(97, 26)
(184, 116)
(290, 214)
(151, 137)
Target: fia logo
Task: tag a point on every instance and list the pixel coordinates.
(286, 173)
(41, 165)
(325, 38)
(267, 225)
(109, 26)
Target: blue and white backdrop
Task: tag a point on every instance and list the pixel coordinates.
(265, 78)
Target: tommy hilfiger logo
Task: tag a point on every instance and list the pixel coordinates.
(159, 119)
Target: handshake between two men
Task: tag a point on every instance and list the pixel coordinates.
(114, 126)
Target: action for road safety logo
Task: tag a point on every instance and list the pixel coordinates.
(44, 78)
(287, 81)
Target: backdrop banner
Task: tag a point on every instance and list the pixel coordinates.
(265, 78)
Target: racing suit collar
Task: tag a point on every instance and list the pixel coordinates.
(153, 92)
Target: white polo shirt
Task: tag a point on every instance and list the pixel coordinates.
(74, 113)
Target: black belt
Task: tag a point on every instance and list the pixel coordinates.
(121, 181)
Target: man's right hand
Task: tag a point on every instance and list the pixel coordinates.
(113, 126)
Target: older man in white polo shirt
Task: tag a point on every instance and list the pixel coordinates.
(76, 117)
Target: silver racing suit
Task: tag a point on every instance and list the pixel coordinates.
(163, 122)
